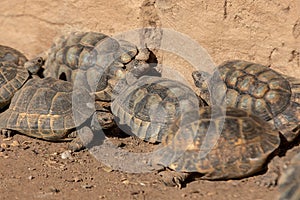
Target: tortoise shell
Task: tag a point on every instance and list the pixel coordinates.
(218, 144)
(289, 181)
(257, 89)
(12, 79)
(10, 55)
(41, 109)
(84, 50)
(149, 106)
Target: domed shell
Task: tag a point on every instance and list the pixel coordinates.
(255, 88)
(41, 109)
(84, 50)
(150, 105)
(218, 143)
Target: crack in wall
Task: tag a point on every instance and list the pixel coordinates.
(225, 9)
(39, 19)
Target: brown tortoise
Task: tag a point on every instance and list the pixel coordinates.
(96, 61)
(215, 143)
(84, 50)
(257, 89)
(43, 109)
(150, 105)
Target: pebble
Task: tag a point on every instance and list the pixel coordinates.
(15, 143)
(54, 190)
(4, 146)
(87, 186)
(66, 155)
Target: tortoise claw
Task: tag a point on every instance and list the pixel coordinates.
(6, 133)
(76, 145)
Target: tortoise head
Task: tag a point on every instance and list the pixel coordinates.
(34, 65)
(127, 51)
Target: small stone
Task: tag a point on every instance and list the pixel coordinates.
(15, 143)
(107, 168)
(30, 177)
(126, 182)
(143, 184)
(66, 155)
(87, 186)
(54, 190)
(4, 146)
(75, 179)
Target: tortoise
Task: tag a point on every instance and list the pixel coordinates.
(289, 181)
(215, 143)
(15, 70)
(149, 106)
(88, 51)
(42, 109)
(83, 50)
(256, 88)
(101, 60)
(11, 55)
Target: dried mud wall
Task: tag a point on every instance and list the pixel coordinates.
(267, 32)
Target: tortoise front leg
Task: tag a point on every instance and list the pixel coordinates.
(173, 179)
(6, 133)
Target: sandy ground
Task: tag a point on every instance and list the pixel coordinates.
(266, 32)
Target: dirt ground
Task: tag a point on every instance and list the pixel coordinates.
(266, 32)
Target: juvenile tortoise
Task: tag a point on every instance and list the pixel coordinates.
(43, 109)
(289, 181)
(256, 88)
(214, 143)
(15, 70)
(150, 105)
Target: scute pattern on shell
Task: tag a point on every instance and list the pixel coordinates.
(83, 50)
(237, 145)
(257, 89)
(151, 104)
(12, 79)
(41, 109)
(77, 50)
